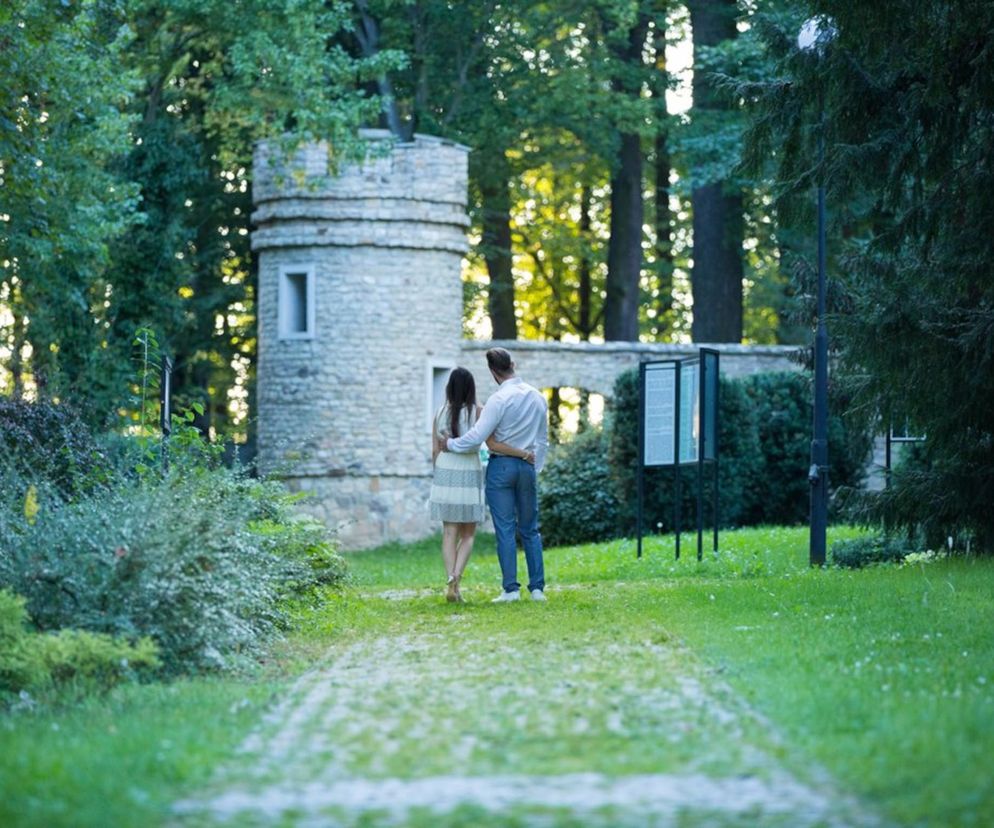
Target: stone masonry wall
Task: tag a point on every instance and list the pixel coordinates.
(595, 366)
(345, 415)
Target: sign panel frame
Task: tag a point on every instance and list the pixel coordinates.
(678, 425)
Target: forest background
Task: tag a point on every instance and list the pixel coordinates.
(597, 137)
(639, 171)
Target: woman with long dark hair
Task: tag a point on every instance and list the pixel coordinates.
(457, 486)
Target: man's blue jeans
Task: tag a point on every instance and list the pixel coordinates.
(513, 500)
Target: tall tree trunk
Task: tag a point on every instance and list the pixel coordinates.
(586, 280)
(367, 32)
(496, 243)
(19, 340)
(664, 217)
(716, 278)
(624, 258)
(555, 415)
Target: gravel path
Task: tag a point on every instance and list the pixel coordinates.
(431, 727)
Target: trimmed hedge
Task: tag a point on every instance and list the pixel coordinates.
(577, 491)
(590, 489)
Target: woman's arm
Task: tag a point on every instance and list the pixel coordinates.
(511, 451)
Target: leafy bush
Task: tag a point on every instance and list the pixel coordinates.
(302, 539)
(49, 442)
(764, 443)
(740, 463)
(37, 661)
(783, 406)
(181, 559)
(577, 502)
(870, 549)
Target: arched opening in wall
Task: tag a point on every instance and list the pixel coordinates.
(572, 410)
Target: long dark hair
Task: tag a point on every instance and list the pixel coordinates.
(460, 393)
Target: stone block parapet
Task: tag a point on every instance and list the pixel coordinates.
(594, 366)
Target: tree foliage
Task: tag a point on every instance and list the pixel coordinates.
(908, 105)
(127, 136)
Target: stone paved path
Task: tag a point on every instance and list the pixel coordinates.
(431, 727)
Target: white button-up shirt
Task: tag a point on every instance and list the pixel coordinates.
(516, 414)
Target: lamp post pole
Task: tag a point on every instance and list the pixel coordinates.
(815, 34)
(818, 476)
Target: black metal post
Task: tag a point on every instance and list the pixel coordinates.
(818, 474)
(641, 459)
(887, 457)
(717, 444)
(676, 454)
(701, 446)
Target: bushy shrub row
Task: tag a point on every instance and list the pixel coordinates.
(198, 563)
(576, 497)
(50, 442)
(589, 491)
(198, 560)
(869, 549)
(36, 662)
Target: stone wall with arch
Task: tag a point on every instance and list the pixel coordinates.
(360, 321)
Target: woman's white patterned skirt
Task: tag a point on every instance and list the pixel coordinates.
(457, 488)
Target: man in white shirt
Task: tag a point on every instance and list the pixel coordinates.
(516, 414)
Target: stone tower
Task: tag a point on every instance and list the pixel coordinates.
(360, 320)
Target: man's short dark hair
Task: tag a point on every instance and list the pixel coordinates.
(499, 361)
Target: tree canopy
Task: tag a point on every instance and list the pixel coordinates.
(904, 97)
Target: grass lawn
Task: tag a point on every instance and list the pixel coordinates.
(884, 676)
(634, 669)
(120, 759)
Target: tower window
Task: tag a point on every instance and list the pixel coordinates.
(296, 302)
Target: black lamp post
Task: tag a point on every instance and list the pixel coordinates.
(814, 36)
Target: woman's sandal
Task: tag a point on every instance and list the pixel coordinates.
(452, 594)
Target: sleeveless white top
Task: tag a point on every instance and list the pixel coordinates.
(443, 421)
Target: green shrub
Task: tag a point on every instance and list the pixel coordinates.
(782, 402)
(577, 502)
(38, 661)
(49, 442)
(869, 549)
(303, 539)
(764, 452)
(740, 463)
(179, 559)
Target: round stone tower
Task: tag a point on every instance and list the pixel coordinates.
(360, 320)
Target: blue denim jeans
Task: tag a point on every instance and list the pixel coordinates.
(513, 499)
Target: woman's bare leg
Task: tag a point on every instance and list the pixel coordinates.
(450, 545)
(464, 547)
(450, 540)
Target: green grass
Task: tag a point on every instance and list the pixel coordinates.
(885, 676)
(122, 757)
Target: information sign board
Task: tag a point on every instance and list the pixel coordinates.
(690, 409)
(658, 416)
(709, 364)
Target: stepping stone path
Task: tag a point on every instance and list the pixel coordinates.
(443, 723)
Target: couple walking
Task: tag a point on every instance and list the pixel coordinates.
(514, 426)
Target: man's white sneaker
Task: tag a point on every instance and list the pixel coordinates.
(538, 595)
(504, 597)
